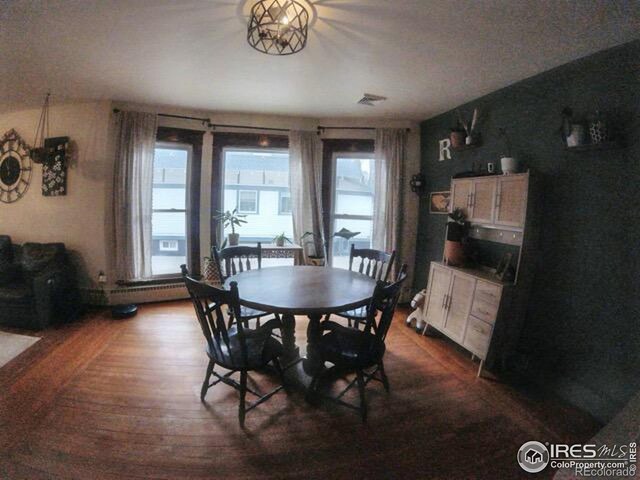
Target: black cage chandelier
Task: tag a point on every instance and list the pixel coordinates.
(278, 27)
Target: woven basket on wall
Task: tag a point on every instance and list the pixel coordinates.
(211, 272)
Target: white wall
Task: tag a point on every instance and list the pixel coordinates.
(79, 218)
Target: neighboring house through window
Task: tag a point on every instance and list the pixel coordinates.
(256, 181)
(353, 191)
(284, 205)
(169, 218)
(248, 201)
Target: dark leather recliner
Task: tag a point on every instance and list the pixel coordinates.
(38, 285)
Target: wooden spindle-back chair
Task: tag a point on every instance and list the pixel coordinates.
(234, 260)
(237, 259)
(362, 351)
(229, 344)
(372, 263)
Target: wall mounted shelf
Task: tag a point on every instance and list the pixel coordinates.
(465, 147)
(596, 146)
(476, 144)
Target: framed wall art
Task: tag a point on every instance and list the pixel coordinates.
(440, 202)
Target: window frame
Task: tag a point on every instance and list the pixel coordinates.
(256, 210)
(169, 248)
(220, 155)
(281, 195)
(187, 210)
(333, 216)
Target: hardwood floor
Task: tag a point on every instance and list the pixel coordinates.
(119, 399)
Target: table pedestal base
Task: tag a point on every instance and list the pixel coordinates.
(300, 371)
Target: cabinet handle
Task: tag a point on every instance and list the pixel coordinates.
(449, 302)
(478, 329)
(445, 301)
(469, 200)
(473, 200)
(498, 199)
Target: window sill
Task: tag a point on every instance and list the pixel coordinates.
(154, 281)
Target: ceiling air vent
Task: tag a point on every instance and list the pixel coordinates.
(370, 98)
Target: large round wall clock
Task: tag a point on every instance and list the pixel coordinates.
(15, 167)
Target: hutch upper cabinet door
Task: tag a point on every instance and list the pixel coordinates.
(461, 195)
(458, 306)
(483, 200)
(438, 294)
(511, 201)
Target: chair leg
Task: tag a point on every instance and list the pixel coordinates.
(363, 402)
(205, 384)
(278, 367)
(310, 395)
(243, 394)
(383, 375)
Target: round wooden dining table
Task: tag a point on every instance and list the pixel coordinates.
(310, 291)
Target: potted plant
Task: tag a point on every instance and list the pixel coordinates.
(469, 127)
(453, 246)
(457, 135)
(573, 132)
(280, 239)
(231, 219)
(314, 245)
(508, 164)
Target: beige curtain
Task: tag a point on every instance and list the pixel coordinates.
(305, 167)
(390, 156)
(132, 194)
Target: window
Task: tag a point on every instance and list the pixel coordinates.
(256, 181)
(284, 206)
(353, 191)
(247, 201)
(168, 246)
(169, 220)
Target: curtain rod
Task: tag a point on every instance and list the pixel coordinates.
(271, 129)
(203, 120)
(207, 121)
(322, 128)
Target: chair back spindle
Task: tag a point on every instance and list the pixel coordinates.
(375, 264)
(382, 307)
(234, 260)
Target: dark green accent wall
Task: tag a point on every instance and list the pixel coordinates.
(582, 333)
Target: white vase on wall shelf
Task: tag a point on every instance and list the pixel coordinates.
(509, 165)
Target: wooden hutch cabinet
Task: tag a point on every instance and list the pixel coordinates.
(472, 306)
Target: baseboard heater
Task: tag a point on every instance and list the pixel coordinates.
(137, 294)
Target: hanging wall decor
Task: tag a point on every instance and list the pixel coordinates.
(38, 152)
(54, 167)
(440, 202)
(15, 167)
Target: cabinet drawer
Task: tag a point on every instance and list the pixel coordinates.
(488, 292)
(484, 310)
(478, 336)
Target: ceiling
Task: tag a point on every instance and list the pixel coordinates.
(426, 56)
